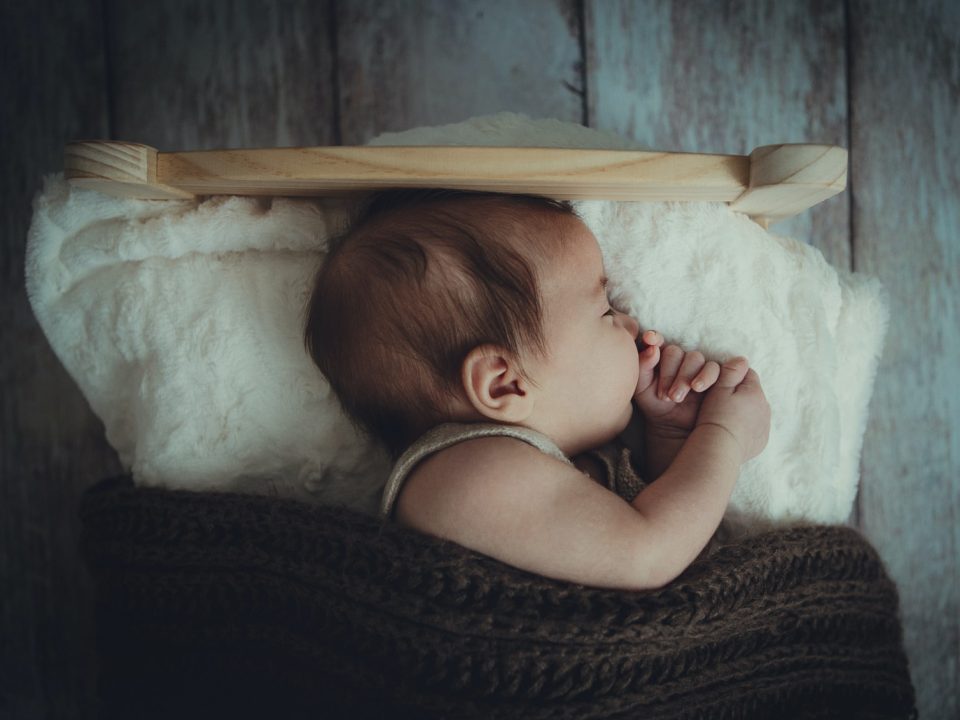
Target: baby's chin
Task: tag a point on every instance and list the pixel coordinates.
(625, 418)
(611, 433)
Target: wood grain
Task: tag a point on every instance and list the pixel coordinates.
(905, 119)
(406, 63)
(52, 445)
(697, 76)
(707, 76)
(183, 74)
(194, 75)
(772, 183)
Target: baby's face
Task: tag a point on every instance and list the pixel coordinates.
(590, 373)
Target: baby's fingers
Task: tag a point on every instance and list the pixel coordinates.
(694, 373)
(671, 359)
(707, 376)
(649, 359)
(733, 372)
(652, 337)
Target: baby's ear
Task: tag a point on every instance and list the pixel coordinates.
(494, 386)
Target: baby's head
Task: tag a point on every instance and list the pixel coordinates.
(432, 308)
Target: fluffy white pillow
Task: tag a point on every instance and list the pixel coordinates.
(712, 279)
(181, 323)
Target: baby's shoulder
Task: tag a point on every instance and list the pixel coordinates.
(470, 475)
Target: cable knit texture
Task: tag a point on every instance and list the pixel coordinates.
(228, 605)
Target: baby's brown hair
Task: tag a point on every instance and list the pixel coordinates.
(417, 280)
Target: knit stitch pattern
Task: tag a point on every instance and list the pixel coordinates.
(228, 605)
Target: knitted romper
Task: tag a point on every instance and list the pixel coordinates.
(621, 477)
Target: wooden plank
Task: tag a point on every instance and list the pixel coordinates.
(905, 113)
(182, 74)
(703, 76)
(407, 63)
(561, 172)
(774, 182)
(53, 445)
(195, 75)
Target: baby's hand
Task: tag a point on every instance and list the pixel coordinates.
(670, 383)
(737, 404)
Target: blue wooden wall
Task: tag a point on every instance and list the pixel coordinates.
(881, 78)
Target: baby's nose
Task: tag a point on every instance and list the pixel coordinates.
(630, 324)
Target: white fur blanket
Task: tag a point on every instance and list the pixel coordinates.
(181, 323)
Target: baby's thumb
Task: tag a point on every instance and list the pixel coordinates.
(732, 372)
(649, 359)
(751, 381)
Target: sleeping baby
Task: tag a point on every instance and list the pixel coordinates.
(472, 335)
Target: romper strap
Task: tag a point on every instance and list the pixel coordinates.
(443, 436)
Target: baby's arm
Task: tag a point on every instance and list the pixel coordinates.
(688, 500)
(506, 499)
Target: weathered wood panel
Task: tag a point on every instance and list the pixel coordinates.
(194, 75)
(706, 76)
(52, 447)
(694, 76)
(404, 64)
(905, 119)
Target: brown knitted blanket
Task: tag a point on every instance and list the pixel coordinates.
(223, 605)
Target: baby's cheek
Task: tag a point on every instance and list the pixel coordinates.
(633, 363)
